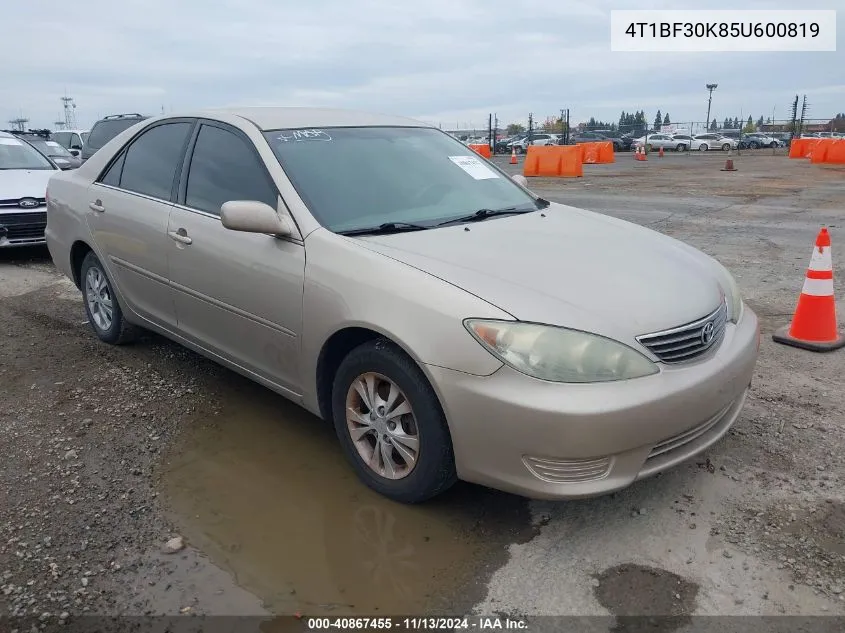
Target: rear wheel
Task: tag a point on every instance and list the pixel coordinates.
(703, 147)
(680, 147)
(101, 304)
(390, 424)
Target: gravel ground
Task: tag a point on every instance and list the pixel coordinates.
(755, 526)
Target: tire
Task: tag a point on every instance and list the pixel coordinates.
(680, 147)
(98, 294)
(703, 147)
(773, 144)
(726, 147)
(433, 470)
(754, 145)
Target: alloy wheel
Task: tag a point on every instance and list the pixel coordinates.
(382, 426)
(99, 298)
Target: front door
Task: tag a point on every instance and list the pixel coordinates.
(237, 294)
(129, 207)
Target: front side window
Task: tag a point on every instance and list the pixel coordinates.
(153, 158)
(16, 154)
(223, 168)
(359, 177)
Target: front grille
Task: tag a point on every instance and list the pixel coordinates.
(14, 202)
(23, 226)
(689, 341)
(560, 471)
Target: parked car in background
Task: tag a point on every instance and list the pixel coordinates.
(619, 143)
(327, 255)
(106, 129)
(755, 140)
(42, 141)
(24, 173)
(705, 142)
(537, 138)
(71, 140)
(661, 141)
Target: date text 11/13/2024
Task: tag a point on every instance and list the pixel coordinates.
(481, 623)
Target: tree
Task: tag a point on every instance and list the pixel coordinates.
(714, 126)
(760, 121)
(515, 128)
(666, 120)
(727, 124)
(736, 123)
(749, 127)
(658, 119)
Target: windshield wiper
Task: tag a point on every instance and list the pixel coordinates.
(483, 214)
(387, 227)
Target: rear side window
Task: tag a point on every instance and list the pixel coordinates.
(225, 167)
(152, 160)
(106, 130)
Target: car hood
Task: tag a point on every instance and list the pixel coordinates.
(569, 267)
(24, 183)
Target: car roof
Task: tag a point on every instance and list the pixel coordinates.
(6, 135)
(274, 118)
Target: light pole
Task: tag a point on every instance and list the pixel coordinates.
(711, 88)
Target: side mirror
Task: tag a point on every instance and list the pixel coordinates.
(520, 180)
(75, 152)
(251, 216)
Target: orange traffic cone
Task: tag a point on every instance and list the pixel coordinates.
(729, 165)
(660, 152)
(814, 324)
(514, 159)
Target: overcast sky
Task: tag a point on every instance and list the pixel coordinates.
(449, 62)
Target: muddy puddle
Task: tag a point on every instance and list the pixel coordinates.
(263, 489)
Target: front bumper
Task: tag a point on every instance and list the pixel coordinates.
(556, 441)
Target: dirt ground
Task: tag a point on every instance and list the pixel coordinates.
(146, 479)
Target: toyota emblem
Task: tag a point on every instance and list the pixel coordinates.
(708, 332)
(27, 203)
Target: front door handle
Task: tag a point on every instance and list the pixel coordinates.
(97, 206)
(181, 236)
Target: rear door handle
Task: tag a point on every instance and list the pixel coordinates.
(97, 206)
(180, 236)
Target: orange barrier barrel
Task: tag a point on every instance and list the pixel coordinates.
(836, 152)
(561, 161)
(481, 148)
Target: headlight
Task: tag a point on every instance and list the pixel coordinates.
(559, 354)
(733, 297)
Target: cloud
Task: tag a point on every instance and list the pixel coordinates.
(445, 61)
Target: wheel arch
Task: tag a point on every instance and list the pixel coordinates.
(338, 345)
(78, 251)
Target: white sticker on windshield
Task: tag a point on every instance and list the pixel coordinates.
(10, 141)
(288, 136)
(53, 144)
(474, 167)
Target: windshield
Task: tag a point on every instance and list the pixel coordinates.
(15, 154)
(51, 148)
(353, 178)
(104, 131)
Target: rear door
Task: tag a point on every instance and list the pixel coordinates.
(237, 294)
(128, 211)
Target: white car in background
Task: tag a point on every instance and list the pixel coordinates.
(755, 140)
(537, 138)
(705, 142)
(24, 172)
(71, 140)
(661, 141)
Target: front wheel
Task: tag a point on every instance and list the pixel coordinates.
(680, 147)
(703, 147)
(390, 424)
(773, 144)
(726, 147)
(101, 304)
